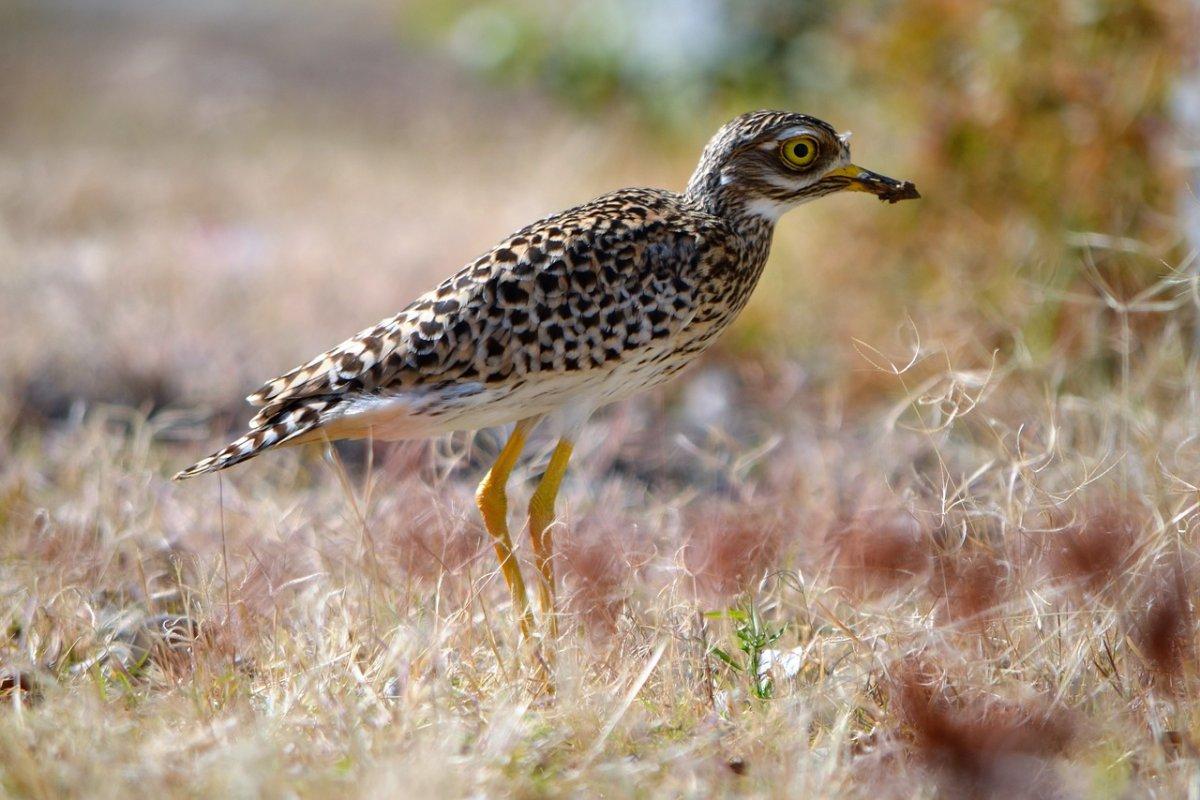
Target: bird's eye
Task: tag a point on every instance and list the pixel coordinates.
(799, 151)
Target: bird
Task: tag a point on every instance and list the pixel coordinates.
(572, 312)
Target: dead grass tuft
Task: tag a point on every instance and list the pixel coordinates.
(425, 531)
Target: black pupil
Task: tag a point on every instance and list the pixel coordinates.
(800, 150)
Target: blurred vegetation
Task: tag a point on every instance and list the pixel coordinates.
(1020, 121)
(267, 140)
(667, 58)
(1062, 104)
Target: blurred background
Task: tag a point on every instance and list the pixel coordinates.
(195, 196)
(957, 436)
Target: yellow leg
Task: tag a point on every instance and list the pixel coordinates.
(493, 505)
(541, 517)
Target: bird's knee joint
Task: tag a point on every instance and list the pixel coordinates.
(490, 498)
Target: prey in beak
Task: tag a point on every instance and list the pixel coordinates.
(889, 190)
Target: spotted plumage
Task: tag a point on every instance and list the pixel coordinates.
(573, 311)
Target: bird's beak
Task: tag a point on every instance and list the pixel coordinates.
(857, 179)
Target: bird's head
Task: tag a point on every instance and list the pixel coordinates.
(765, 163)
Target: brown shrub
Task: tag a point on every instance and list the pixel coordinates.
(880, 549)
(968, 585)
(728, 547)
(276, 570)
(596, 563)
(427, 532)
(1096, 543)
(1164, 627)
(978, 746)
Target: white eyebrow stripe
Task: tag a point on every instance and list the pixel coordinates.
(790, 132)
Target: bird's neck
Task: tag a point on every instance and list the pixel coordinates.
(753, 220)
(753, 228)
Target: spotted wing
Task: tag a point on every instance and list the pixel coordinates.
(576, 291)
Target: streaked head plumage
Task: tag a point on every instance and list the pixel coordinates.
(766, 162)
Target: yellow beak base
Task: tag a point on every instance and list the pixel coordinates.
(886, 189)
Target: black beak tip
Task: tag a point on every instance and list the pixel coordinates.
(902, 190)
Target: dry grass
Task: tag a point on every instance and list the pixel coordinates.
(1002, 618)
(982, 585)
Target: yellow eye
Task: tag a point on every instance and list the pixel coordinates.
(800, 151)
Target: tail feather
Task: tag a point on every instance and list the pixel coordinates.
(285, 426)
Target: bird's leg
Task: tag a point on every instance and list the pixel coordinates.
(493, 505)
(541, 517)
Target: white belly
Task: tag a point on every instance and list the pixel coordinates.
(430, 412)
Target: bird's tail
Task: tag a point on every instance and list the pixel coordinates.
(287, 426)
